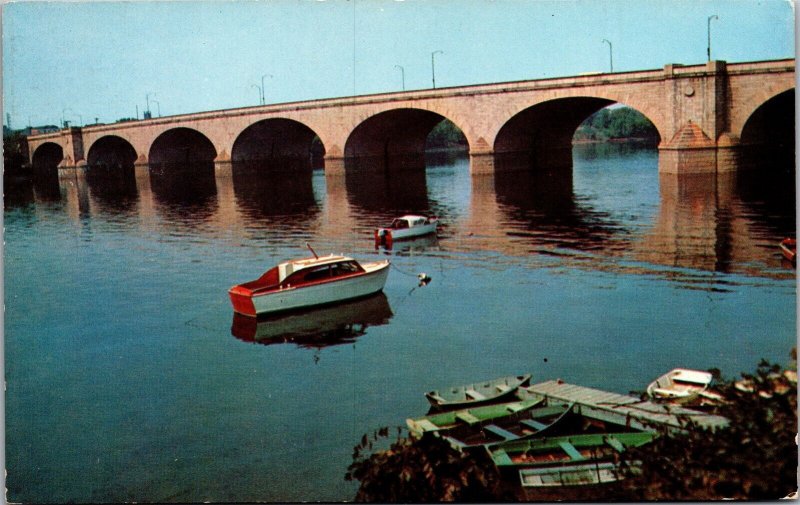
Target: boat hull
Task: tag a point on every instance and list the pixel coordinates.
(323, 293)
(482, 393)
(789, 250)
(390, 235)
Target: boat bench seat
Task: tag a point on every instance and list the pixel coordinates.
(515, 407)
(536, 425)
(502, 388)
(467, 417)
(616, 444)
(571, 451)
(471, 393)
(500, 432)
(667, 393)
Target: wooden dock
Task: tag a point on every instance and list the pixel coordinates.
(623, 409)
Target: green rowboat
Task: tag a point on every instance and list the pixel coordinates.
(474, 417)
(565, 450)
(536, 422)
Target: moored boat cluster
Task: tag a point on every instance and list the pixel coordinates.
(555, 434)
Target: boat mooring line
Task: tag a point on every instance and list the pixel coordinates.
(402, 271)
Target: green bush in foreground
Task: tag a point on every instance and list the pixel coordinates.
(421, 470)
(755, 458)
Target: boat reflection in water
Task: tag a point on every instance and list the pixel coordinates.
(333, 325)
(416, 244)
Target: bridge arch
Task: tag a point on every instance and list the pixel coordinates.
(110, 152)
(277, 139)
(769, 132)
(401, 131)
(545, 130)
(47, 156)
(181, 146)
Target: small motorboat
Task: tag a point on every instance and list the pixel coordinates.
(481, 393)
(789, 249)
(680, 385)
(405, 227)
(308, 282)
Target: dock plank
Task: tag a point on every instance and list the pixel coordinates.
(624, 409)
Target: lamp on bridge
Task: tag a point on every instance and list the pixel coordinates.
(263, 98)
(708, 47)
(147, 114)
(403, 76)
(64, 122)
(433, 68)
(260, 93)
(610, 56)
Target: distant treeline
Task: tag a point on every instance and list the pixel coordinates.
(15, 151)
(616, 123)
(446, 135)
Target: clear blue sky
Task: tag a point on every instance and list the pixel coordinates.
(102, 59)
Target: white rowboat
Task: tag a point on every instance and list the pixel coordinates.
(679, 385)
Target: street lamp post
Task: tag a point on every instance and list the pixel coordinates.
(147, 101)
(263, 98)
(260, 92)
(708, 31)
(402, 75)
(63, 119)
(610, 55)
(433, 68)
(158, 105)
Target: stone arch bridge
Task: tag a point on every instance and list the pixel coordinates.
(704, 114)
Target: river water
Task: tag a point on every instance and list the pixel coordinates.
(130, 379)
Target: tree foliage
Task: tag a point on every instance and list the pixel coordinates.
(446, 135)
(616, 123)
(754, 458)
(15, 150)
(423, 469)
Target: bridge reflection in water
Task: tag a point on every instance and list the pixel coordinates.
(611, 204)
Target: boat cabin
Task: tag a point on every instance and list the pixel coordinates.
(296, 273)
(306, 271)
(408, 222)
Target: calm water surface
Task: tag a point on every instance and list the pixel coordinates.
(130, 379)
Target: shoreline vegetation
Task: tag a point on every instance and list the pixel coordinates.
(753, 458)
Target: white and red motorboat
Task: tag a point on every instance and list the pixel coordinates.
(403, 227)
(308, 282)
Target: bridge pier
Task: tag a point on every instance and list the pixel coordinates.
(334, 166)
(481, 164)
(223, 169)
(700, 156)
